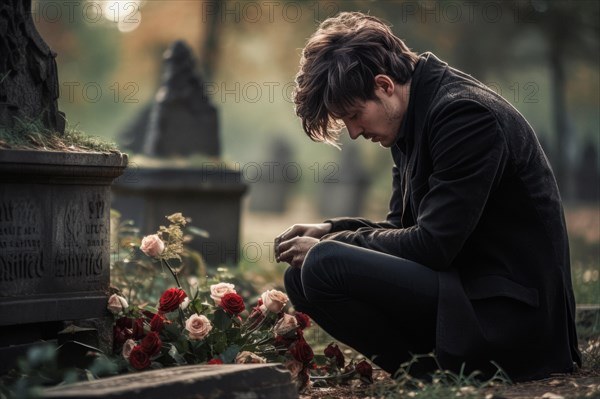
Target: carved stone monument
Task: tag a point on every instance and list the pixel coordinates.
(181, 122)
(28, 76)
(54, 206)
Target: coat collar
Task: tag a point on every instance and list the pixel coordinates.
(425, 82)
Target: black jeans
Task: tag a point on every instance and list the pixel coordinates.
(382, 306)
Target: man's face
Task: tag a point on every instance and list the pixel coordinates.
(377, 120)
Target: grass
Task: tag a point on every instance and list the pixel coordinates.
(32, 135)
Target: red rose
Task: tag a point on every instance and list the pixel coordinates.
(171, 299)
(302, 351)
(138, 328)
(332, 350)
(157, 323)
(365, 371)
(283, 342)
(215, 361)
(139, 359)
(151, 344)
(149, 315)
(124, 322)
(232, 303)
(120, 335)
(303, 320)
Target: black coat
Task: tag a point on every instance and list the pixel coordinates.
(481, 207)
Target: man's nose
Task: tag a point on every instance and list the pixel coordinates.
(353, 131)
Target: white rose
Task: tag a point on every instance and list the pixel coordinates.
(274, 300)
(249, 357)
(152, 245)
(183, 305)
(218, 291)
(117, 304)
(198, 326)
(127, 347)
(285, 325)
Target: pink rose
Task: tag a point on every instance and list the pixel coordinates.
(127, 347)
(152, 245)
(218, 291)
(117, 304)
(249, 357)
(285, 325)
(198, 326)
(274, 300)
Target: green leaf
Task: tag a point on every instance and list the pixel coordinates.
(218, 342)
(176, 356)
(221, 319)
(229, 354)
(198, 232)
(199, 307)
(233, 334)
(321, 360)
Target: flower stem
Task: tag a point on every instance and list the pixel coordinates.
(172, 272)
(332, 377)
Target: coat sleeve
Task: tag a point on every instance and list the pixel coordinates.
(468, 155)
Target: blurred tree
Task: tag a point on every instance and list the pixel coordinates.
(572, 32)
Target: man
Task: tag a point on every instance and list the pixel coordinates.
(472, 261)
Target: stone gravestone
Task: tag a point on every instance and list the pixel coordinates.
(251, 381)
(182, 122)
(588, 175)
(54, 206)
(54, 244)
(343, 185)
(269, 191)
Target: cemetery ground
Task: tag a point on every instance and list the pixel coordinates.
(583, 222)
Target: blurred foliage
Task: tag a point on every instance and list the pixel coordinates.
(142, 279)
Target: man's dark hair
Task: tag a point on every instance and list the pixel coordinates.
(338, 67)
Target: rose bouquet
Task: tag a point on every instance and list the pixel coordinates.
(214, 327)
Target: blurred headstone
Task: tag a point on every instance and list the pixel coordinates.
(588, 174)
(180, 121)
(269, 192)
(343, 188)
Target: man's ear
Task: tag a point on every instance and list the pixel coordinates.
(385, 83)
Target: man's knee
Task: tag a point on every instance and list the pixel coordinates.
(292, 280)
(322, 253)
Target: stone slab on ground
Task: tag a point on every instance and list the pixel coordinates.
(231, 381)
